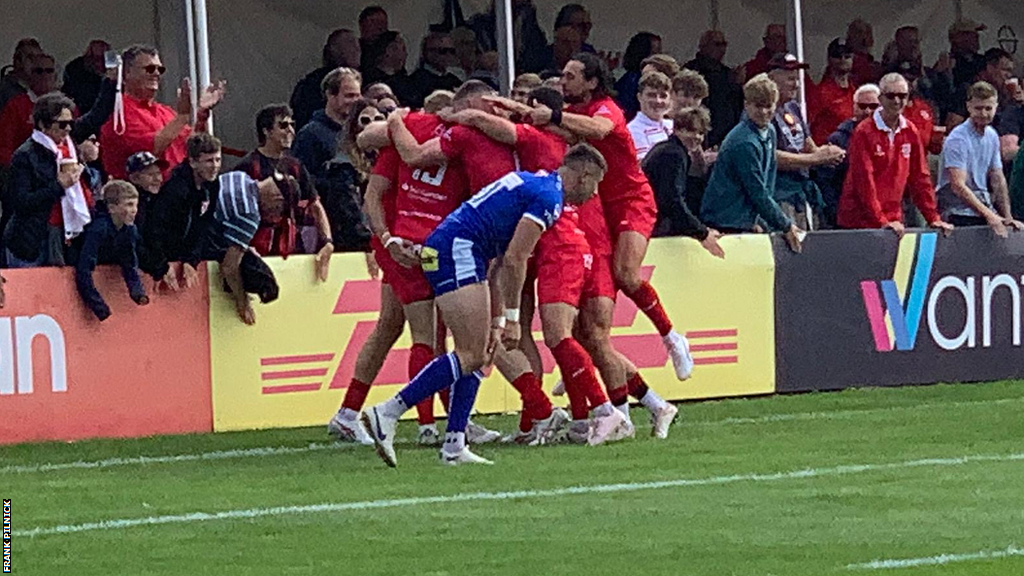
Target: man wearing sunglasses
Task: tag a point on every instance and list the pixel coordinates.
(437, 56)
(148, 125)
(830, 178)
(887, 156)
(16, 117)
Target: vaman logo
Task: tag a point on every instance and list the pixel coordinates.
(895, 314)
(16, 350)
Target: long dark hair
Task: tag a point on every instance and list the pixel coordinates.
(361, 160)
(641, 45)
(594, 67)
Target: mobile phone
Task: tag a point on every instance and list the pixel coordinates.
(111, 59)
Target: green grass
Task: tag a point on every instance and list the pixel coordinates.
(786, 526)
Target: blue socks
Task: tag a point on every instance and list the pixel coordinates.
(441, 373)
(463, 398)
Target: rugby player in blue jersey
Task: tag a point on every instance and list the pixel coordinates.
(497, 228)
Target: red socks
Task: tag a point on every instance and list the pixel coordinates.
(579, 376)
(647, 300)
(536, 405)
(619, 396)
(636, 386)
(419, 356)
(355, 397)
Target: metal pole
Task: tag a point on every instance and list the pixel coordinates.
(193, 71)
(202, 54)
(506, 48)
(797, 38)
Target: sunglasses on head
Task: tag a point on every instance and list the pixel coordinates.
(154, 69)
(39, 71)
(896, 95)
(868, 106)
(367, 120)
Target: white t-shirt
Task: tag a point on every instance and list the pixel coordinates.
(646, 133)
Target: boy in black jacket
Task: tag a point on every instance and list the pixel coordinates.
(111, 237)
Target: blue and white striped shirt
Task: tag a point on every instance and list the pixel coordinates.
(237, 214)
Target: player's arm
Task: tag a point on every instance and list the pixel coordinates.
(412, 152)
(373, 205)
(374, 137)
(512, 275)
(495, 127)
(587, 127)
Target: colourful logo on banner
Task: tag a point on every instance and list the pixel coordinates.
(897, 323)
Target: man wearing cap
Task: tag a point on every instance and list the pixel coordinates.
(796, 152)
(144, 173)
(886, 155)
(829, 104)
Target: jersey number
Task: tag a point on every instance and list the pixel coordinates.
(506, 182)
(428, 178)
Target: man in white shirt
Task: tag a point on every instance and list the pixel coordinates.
(650, 126)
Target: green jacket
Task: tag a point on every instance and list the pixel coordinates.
(743, 181)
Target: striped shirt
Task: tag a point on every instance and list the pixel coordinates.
(237, 214)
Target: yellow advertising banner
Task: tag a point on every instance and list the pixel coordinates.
(292, 368)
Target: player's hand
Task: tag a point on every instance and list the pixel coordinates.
(493, 339)
(372, 268)
(508, 104)
(897, 227)
(1017, 225)
(245, 311)
(322, 261)
(794, 238)
(540, 115)
(189, 275)
(403, 253)
(464, 117)
(398, 115)
(710, 243)
(945, 227)
(511, 335)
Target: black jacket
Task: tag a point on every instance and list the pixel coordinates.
(90, 123)
(33, 192)
(307, 97)
(103, 243)
(667, 166)
(175, 221)
(423, 82)
(726, 97)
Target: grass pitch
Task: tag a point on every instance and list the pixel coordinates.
(930, 478)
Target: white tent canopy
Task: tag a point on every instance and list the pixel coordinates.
(262, 47)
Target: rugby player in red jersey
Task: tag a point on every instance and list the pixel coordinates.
(558, 289)
(626, 196)
(460, 148)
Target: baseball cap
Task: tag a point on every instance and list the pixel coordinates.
(140, 161)
(966, 26)
(838, 49)
(786, 62)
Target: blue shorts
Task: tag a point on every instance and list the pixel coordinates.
(450, 262)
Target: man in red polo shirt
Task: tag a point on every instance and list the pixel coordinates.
(885, 155)
(149, 126)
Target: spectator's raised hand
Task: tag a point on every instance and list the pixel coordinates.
(945, 227)
(184, 103)
(212, 96)
(322, 261)
(710, 243)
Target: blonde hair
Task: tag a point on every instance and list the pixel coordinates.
(117, 191)
(437, 100)
(528, 81)
(761, 90)
(690, 83)
(982, 91)
(655, 80)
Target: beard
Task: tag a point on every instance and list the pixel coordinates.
(573, 98)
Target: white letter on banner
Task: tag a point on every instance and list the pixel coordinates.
(27, 328)
(6, 358)
(988, 288)
(969, 334)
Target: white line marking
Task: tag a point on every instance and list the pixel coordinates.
(314, 447)
(937, 560)
(484, 496)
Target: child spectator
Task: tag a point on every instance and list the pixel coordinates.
(111, 238)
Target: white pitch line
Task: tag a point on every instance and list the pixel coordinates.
(314, 447)
(937, 560)
(485, 496)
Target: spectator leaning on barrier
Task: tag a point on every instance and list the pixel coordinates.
(972, 187)
(148, 125)
(667, 167)
(144, 173)
(111, 238)
(45, 173)
(241, 204)
(830, 178)
(177, 217)
(650, 126)
(886, 155)
(797, 195)
(340, 50)
(741, 185)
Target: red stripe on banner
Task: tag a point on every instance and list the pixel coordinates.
(717, 360)
(714, 347)
(358, 296)
(284, 374)
(697, 334)
(292, 388)
(302, 359)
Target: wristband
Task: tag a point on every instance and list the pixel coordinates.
(556, 117)
(385, 237)
(392, 240)
(512, 314)
(498, 322)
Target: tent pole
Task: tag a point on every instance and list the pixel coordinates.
(506, 49)
(202, 55)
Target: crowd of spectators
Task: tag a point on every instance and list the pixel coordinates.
(767, 145)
